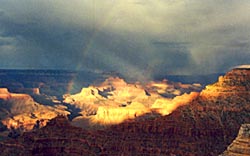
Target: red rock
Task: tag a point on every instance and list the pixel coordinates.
(241, 145)
(204, 127)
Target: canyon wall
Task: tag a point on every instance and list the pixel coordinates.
(241, 145)
(205, 126)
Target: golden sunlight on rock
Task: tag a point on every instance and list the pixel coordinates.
(234, 82)
(27, 121)
(22, 112)
(115, 101)
(4, 93)
(166, 106)
(116, 115)
(202, 125)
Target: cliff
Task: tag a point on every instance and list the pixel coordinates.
(115, 101)
(20, 111)
(205, 126)
(241, 145)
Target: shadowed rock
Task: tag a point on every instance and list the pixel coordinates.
(241, 145)
(204, 127)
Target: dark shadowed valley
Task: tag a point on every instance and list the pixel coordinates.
(115, 117)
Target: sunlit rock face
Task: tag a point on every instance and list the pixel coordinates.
(206, 126)
(115, 100)
(203, 127)
(115, 115)
(4, 93)
(230, 93)
(112, 92)
(166, 106)
(234, 82)
(20, 111)
(241, 145)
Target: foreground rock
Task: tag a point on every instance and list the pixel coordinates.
(206, 126)
(241, 145)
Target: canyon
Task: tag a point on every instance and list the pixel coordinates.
(20, 111)
(206, 124)
(115, 100)
(23, 106)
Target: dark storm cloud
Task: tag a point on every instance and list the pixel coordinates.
(137, 38)
(49, 46)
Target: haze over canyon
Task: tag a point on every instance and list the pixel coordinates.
(124, 77)
(154, 118)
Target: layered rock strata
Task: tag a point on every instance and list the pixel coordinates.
(241, 145)
(206, 126)
(115, 100)
(20, 111)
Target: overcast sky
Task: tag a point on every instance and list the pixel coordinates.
(137, 38)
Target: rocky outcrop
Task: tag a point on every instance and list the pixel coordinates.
(160, 136)
(57, 138)
(20, 111)
(205, 126)
(234, 83)
(241, 145)
(115, 100)
(4, 91)
(4, 94)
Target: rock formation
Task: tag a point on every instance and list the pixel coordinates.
(21, 111)
(241, 145)
(115, 100)
(205, 126)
